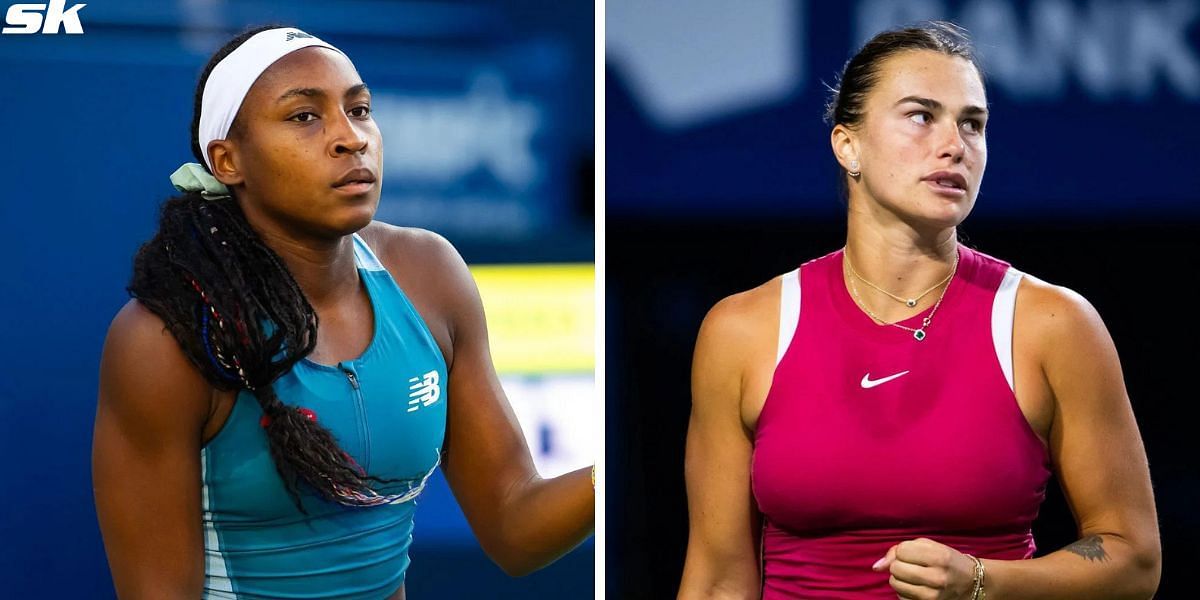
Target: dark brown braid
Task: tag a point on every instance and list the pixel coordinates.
(242, 320)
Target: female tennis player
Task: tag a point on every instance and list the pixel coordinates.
(882, 421)
(291, 372)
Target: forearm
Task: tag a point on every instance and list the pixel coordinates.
(1103, 567)
(544, 519)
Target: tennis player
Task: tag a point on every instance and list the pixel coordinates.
(290, 372)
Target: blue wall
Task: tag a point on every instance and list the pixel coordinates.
(93, 124)
(710, 100)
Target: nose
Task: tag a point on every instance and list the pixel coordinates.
(952, 145)
(346, 136)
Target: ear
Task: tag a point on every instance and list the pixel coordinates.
(845, 145)
(223, 154)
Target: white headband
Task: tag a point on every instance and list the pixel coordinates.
(231, 79)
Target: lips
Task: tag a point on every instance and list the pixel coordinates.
(355, 176)
(947, 179)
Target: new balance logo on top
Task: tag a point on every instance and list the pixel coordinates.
(26, 19)
(296, 34)
(425, 391)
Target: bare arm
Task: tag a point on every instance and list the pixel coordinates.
(146, 459)
(724, 524)
(1101, 465)
(1100, 462)
(522, 521)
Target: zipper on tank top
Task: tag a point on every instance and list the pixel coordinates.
(360, 410)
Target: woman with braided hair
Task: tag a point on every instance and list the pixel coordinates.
(290, 372)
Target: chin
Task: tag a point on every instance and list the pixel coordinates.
(346, 219)
(945, 213)
(357, 218)
(936, 220)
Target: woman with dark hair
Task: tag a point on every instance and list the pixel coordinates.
(883, 420)
(291, 372)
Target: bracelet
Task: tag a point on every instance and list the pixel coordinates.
(593, 477)
(978, 593)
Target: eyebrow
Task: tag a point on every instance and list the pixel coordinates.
(932, 104)
(353, 90)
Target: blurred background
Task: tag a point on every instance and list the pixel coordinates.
(719, 176)
(487, 112)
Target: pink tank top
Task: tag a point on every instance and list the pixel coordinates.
(869, 437)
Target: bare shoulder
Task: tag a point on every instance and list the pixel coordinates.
(746, 316)
(434, 277)
(412, 248)
(1071, 345)
(1055, 312)
(145, 377)
(736, 344)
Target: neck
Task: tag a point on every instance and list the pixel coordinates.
(323, 267)
(895, 254)
(898, 258)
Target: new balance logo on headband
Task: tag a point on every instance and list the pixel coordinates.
(297, 34)
(29, 18)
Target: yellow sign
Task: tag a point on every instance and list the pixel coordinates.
(541, 318)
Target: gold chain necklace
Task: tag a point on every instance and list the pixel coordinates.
(918, 333)
(909, 302)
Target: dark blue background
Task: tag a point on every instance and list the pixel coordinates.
(1054, 150)
(92, 125)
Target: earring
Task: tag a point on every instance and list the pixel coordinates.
(854, 172)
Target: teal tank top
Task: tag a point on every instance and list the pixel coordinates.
(387, 409)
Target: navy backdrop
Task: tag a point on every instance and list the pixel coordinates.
(719, 176)
(487, 114)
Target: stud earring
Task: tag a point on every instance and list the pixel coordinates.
(854, 172)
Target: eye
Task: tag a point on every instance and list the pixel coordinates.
(920, 117)
(362, 111)
(974, 125)
(298, 119)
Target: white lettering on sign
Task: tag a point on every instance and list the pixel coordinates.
(1109, 49)
(439, 139)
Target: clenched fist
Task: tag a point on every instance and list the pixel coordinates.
(923, 569)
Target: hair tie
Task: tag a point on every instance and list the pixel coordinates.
(192, 177)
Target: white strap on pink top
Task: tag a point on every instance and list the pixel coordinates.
(1003, 307)
(789, 311)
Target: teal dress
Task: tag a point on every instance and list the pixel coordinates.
(387, 409)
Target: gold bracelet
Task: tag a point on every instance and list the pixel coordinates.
(593, 477)
(978, 593)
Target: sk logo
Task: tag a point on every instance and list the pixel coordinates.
(26, 19)
(424, 391)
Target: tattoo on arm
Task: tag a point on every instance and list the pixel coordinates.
(1091, 548)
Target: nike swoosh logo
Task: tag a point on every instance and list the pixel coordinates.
(868, 384)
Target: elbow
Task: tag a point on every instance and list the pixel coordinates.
(515, 563)
(513, 556)
(1147, 564)
(519, 560)
(518, 568)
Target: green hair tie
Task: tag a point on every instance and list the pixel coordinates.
(191, 177)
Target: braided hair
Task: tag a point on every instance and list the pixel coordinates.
(243, 321)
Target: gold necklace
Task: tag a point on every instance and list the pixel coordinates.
(918, 333)
(909, 302)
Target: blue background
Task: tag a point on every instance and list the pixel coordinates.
(93, 124)
(1102, 106)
